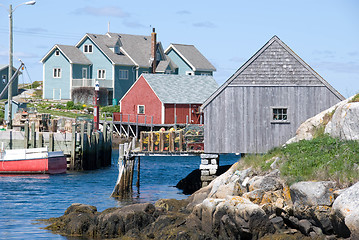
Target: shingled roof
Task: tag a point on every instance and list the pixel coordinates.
(192, 57)
(181, 89)
(268, 67)
(72, 53)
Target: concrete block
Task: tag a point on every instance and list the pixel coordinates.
(204, 184)
(204, 161)
(204, 172)
(208, 167)
(212, 171)
(208, 156)
(214, 161)
(207, 178)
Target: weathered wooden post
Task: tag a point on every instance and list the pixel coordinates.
(26, 135)
(33, 135)
(40, 142)
(73, 147)
(138, 174)
(51, 142)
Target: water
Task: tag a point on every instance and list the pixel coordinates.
(25, 198)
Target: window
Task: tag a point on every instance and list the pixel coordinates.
(205, 74)
(101, 74)
(168, 72)
(88, 48)
(140, 109)
(3, 79)
(279, 114)
(123, 74)
(57, 53)
(189, 73)
(57, 72)
(84, 73)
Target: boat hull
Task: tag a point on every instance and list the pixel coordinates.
(49, 163)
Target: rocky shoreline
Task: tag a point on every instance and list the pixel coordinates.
(239, 204)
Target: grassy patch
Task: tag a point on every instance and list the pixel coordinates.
(323, 158)
(355, 98)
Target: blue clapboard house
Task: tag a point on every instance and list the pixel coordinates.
(115, 61)
(4, 74)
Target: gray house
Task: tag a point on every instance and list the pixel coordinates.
(262, 104)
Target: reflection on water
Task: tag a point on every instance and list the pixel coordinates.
(24, 198)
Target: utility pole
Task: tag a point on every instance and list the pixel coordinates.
(9, 90)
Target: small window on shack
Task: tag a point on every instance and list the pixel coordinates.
(280, 114)
(57, 52)
(140, 109)
(3, 79)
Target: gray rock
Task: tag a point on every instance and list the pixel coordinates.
(346, 212)
(269, 182)
(313, 193)
(278, 223)
(344, 123)
(304, 226)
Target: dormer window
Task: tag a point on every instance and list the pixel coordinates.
(57, 52)
(88, 48)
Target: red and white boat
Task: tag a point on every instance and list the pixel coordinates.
(33, 160)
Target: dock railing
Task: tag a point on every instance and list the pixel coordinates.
(189, 139)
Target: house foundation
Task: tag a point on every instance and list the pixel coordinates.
(209, 166)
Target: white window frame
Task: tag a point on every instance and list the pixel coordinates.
(84, 73)
(57, 52)
(279, 114)
(101, 73)
(56, 73)
(88, 48)
(191, 73)
(138, 109)
(4, 79)
(120, 74)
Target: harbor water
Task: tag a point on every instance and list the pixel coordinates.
(26, 198)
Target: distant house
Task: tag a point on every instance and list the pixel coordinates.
(262, 104)
(167, 99)
(4, 74)
(115, 60)
(189, 60)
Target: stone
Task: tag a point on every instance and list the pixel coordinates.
(266, 183)
(212, 171)
(209, 156)
(344, 122)
(214, 161)
(204, 161)
(345, 212)
(202, 166)
(278, 223)
(204, 172)
(313, 193)
(304, 226)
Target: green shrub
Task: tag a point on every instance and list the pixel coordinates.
(110, 109)
(355, 98)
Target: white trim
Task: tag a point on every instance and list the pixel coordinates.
(121, 48)
(163, 113)
(56, 72)
(113, 80)
(123, 70)
(179, 53)
(138, 109)
(94, 43)
(88, 48)
(101, 73)
(43, 81)
(71, 80)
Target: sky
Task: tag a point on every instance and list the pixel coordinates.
(324, 33)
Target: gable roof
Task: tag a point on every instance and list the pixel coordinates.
(72, 53)
(134, 49)
(249, 75)
(3, 66)
(192, 57)
(181, 89)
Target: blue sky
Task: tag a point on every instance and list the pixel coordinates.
(324, 33)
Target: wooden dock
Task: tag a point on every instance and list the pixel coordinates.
(85, 148)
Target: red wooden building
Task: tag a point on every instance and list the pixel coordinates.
(166, 99)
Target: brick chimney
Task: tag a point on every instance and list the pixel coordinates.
(153, 50)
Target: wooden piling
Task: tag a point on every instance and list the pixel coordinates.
(51, 142)
(33, 136)
(26, 135)
(73, 147)
(40, 142)
(138, 173)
